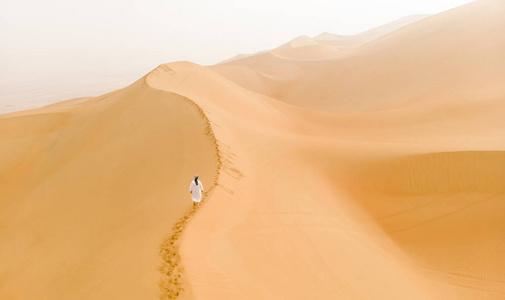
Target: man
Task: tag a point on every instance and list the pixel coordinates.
(196, 189)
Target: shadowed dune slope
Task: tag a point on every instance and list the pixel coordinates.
(89, 188)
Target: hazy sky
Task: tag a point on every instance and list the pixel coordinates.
(43, 39)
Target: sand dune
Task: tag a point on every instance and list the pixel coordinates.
(90, 189)
(369, 35)
(342, 43)
(261, 233)
(277, 71)
(454, 55)
(335, 234)
(371, 173)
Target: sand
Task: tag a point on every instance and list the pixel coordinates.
(91, 188)
(376, 173)
(330, 43)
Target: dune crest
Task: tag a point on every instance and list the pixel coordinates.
(334, 41)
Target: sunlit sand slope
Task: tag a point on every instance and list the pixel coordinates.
(90, 187)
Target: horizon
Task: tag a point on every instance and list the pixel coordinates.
(56, 44)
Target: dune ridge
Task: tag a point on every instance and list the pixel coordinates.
(173, 283)
(334, 43)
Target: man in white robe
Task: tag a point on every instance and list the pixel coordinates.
(196, 189)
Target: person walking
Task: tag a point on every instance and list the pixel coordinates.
(196, 189)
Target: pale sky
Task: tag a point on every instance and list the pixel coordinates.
(56, 39)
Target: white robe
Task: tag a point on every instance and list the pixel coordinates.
(196, 191)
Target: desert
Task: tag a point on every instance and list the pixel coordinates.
(336, 167)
